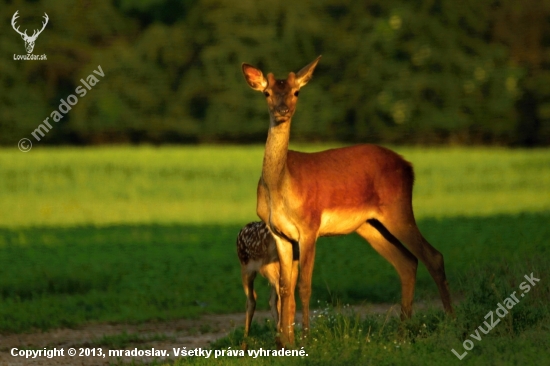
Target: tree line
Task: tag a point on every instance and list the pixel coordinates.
(392, 71)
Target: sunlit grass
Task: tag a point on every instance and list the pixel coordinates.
(207, 184)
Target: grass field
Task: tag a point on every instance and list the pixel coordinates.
(52, 277)
(340, 337)
(205, 185)
(134, 234)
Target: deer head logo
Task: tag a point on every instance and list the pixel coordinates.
(29, 40)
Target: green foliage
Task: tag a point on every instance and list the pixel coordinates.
(392, 71)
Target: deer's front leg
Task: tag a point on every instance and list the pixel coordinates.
(287, 284)
(307, 257)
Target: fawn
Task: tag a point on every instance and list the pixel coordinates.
(258, 253)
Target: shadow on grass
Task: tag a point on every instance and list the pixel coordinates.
(63, 277)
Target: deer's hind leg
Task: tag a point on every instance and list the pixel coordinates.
(404, 262)
(400, 221)
(432, 259)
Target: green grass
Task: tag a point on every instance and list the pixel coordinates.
(63, 277)
(205, 185)
(134, 234)
(339, 337)
(54, 277)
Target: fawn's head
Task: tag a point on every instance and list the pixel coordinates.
(282, 94)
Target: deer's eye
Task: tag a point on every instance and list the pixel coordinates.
(296, 93)
(266, 93)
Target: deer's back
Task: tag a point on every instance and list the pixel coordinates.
(350, 176)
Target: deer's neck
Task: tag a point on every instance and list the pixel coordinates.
(276, 151)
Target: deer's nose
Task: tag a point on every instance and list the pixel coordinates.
(283, 109)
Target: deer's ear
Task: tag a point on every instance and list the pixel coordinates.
(304, 75)
(254, 77)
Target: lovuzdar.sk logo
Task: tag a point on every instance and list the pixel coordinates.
(29, 40)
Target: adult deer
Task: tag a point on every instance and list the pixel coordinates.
(363, 188)
(257, 253)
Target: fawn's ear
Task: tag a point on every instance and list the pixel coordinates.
(254, 77)
(304, 75)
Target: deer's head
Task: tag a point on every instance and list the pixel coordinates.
(29, 40)
(281, 95)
